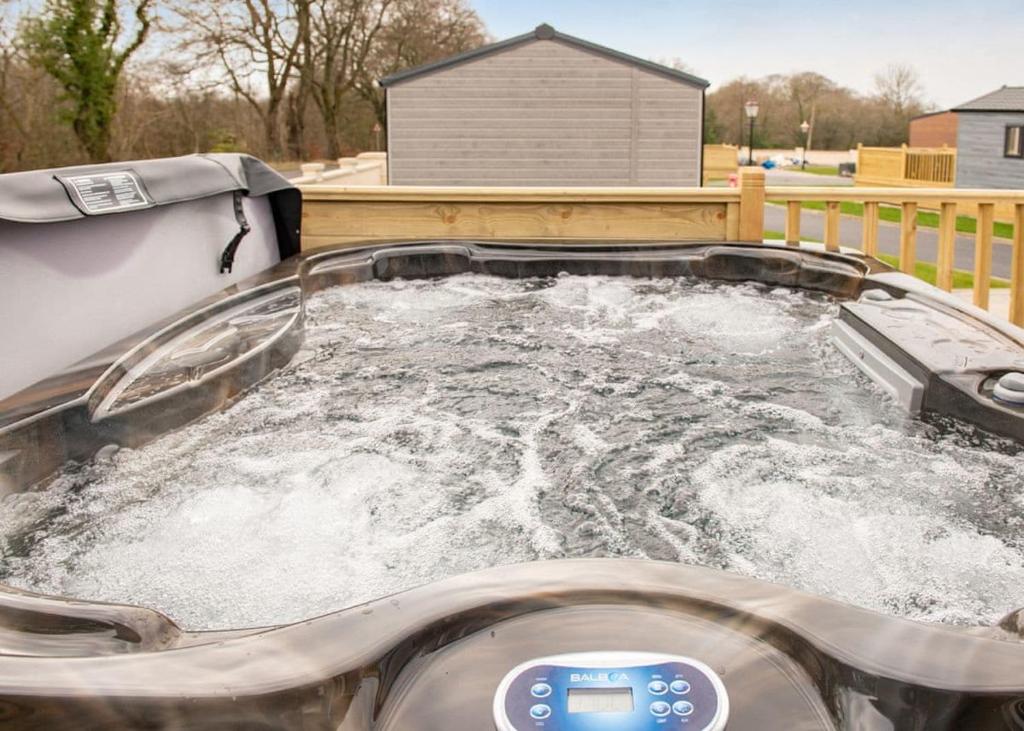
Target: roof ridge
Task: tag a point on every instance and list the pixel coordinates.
(1005, 98)
(542, 32)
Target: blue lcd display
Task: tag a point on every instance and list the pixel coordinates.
(600, 700)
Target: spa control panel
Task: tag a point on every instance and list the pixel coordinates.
(600, 691)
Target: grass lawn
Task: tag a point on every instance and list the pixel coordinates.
(922, 269)
(925, 219)
(818, 169)
(927, 272)
(779, 236)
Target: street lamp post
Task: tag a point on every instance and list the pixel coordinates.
(805, 128)
(751, 109)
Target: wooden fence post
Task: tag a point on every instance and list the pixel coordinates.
(869, 233)
(832, 213)
(983, 254)
(947, 246)
(793, 223)
(1017, 268)
(752, 204)
(908, 237)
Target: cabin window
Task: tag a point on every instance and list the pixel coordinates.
(1014, 142)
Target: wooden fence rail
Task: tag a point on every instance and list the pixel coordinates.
(334, 214)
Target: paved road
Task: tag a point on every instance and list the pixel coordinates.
(812, 226)
(814, 157)
(794, 176)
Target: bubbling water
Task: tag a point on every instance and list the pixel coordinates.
(429, 428)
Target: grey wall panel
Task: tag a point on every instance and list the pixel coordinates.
(980, 162)
(544, 113)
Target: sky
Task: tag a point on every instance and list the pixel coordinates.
(960, 49)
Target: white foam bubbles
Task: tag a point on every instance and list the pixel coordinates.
(433, 427)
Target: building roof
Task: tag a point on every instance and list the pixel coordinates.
(932, 114)
(542, 32)
(1006, 99)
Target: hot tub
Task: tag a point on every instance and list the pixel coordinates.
(785, 467)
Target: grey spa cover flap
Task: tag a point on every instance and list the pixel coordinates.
(65, 194)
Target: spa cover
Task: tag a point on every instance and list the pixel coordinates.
(64, 194)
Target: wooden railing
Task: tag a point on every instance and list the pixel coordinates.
(932, 167)
(333, 215)
(947, 202)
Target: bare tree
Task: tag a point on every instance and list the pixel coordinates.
(899, 86)
(898, 96)
(256, 46)
(297, 78)
(300, 93)
(840, 117)
(341, 37)
(806, 91)
(417, 32)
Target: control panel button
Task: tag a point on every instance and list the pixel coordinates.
(540, 711)
(660, 708)
(682, 708)
(657, 687)
(542, 690)
(679, 687)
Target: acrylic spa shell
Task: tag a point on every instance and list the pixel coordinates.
(431, 657)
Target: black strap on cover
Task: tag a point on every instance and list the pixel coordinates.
(227, 257)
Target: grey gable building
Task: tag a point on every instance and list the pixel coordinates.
(544, 108)
(990, 140)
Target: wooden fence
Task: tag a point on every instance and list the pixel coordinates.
(720, 161)
(923, 167)
(937, 167)
(919, 167)
(333, 215)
